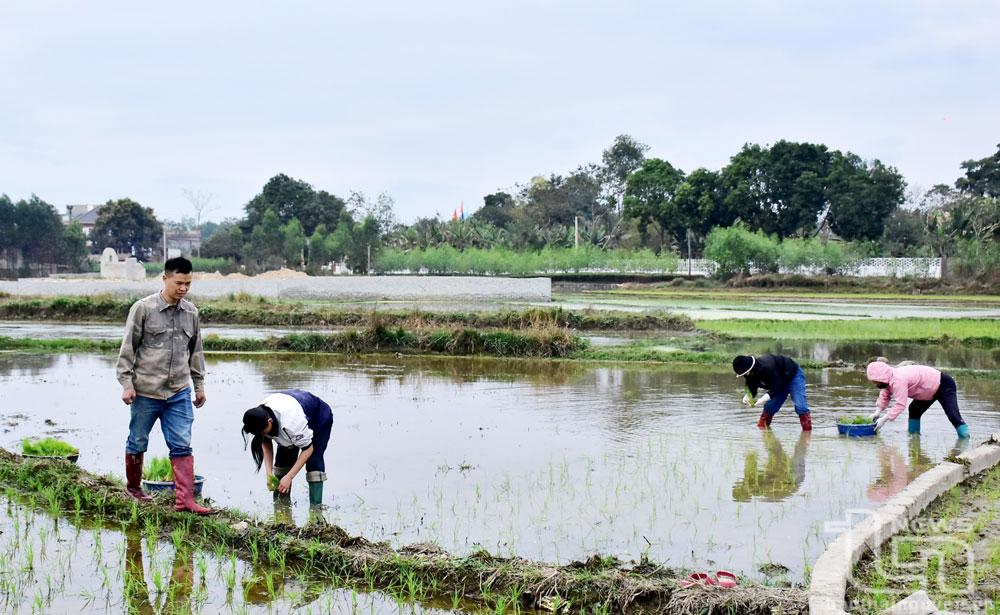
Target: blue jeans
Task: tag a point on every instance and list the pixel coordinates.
(176, 417)
(797, 389)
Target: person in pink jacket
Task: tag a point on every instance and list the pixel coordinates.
(924, 385)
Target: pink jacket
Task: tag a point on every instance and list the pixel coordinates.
(910, 382)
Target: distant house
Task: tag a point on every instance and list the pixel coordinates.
(86, 215)
(184, 242)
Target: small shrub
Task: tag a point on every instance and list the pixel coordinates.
(738, 250)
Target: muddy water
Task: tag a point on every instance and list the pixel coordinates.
(545, 460)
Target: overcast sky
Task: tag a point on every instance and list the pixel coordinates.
(437, 103)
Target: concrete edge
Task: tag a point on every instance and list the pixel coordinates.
(833, 569)
(983, 457)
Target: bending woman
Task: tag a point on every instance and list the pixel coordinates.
(299, 423)
(924, 385)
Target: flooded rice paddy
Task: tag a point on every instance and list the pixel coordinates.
(546, 460)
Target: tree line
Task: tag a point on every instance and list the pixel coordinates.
(627, 201)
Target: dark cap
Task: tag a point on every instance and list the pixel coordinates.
(743, 364)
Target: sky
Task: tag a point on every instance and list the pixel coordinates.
(440, 103)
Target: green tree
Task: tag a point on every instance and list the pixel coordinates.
(127, 227)
(8, 225)
(778, 189)
(267, 241)
(620, 160)
(699, 202)
(861, 196)
(293, 243)
(236, 243)
(982, 177)
(293, 199)
(319, 254)
(498, 210)
(340, 243)
(365, 240)
(39, 231)
(75, 246)
(903, 235)
(649, 197)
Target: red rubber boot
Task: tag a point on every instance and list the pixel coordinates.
(765, 420)
(806, 421)
(133, 476)
(184, 486)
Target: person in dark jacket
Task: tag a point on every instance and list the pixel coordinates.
(780, 376)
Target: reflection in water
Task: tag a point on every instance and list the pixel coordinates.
(894, 473)
(780, 477)
(173, 595)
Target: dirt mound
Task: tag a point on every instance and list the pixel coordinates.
(282, 274)
(215, 275)
(237, 276)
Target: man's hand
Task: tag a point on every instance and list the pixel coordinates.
(746, 399)
(762, 400)
(128, 396)
(199, 399)
(875, 415)
(285, 485)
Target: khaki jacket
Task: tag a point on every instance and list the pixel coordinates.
(161, 351)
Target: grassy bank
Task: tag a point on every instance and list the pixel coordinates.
(952, 550)
(536, 342)
(247, 310)
(974, 332)
(420, 572)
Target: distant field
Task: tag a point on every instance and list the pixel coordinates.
(969, 330)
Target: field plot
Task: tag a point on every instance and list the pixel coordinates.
(545, 460)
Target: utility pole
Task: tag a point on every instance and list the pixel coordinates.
(164, 245)
(689, 251)
(576, 231)
(368, 270)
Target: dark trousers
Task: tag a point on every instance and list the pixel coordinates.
(947, 396)
(285, 456)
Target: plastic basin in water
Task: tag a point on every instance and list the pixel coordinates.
(866, 429)
(168, 485)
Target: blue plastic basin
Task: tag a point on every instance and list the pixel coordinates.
(168, 485)
(867, 429)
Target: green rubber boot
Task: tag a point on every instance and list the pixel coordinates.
(913, 426)
(315, 494)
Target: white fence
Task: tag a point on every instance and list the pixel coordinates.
(866, 267)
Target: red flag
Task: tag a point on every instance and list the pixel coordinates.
(454, 215)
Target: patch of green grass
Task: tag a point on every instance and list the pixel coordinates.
(48, 447)
(972, 331)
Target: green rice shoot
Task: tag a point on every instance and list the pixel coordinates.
(751, 396)
(273, 482)
(857, 419)
(48, 447)
(158, 469)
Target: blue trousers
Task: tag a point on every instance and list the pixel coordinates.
(176, 417)
(797, 389)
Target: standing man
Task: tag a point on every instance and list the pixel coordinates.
(780, 376)
(160, 355)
